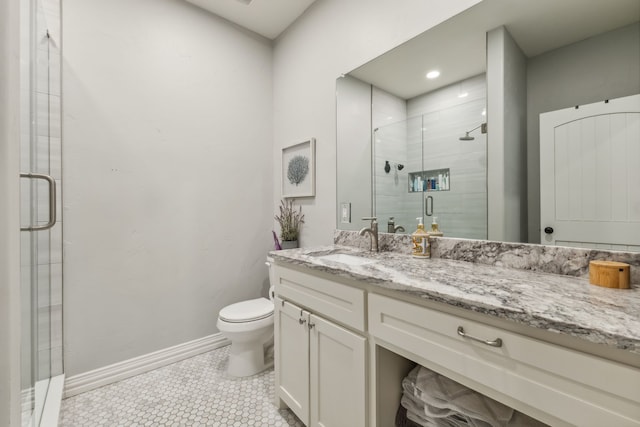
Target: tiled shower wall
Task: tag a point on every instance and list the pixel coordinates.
(461, 211)
(429, 140)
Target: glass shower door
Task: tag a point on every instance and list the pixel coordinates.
(41, 230)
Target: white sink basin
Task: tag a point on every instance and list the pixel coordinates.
(346, 259)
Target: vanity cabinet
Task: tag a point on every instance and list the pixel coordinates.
(320, 356)
(343, 346)
(555, 384)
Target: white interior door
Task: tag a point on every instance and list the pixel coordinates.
(590, 175)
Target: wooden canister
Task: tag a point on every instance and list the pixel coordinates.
(610, 274)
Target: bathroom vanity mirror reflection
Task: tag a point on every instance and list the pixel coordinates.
(550, 55)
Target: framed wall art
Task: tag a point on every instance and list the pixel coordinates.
(299, 169)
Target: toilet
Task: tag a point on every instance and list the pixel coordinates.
(249, 327)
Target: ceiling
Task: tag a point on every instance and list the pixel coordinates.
(457, 47)
(269, 18)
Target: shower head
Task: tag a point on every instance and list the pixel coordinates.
(467, 137)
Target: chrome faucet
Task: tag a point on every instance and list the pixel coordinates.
(373, 231)
(392, 227)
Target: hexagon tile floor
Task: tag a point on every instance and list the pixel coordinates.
(193, 392)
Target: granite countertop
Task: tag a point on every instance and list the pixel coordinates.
(557, 303)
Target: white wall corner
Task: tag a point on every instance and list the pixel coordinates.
(506, 138)
(495, 134)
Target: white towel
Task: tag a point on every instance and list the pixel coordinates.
(418, 405)
(415, 414)
(409, 388)
(442, 394)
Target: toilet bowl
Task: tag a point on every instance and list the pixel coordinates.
(249, 327)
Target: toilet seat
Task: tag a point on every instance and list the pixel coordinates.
(247, 311)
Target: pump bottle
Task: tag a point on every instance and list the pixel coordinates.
(420, 240)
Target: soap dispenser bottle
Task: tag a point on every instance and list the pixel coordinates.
(420, 240)
(435, 231)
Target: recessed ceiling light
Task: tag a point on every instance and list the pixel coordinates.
(433, 74)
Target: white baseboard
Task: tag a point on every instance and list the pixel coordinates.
(129, 368)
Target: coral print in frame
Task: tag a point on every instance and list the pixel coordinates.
(298, 169)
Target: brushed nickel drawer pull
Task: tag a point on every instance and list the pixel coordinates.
(495, 343)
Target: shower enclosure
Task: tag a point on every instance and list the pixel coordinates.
(40, 213)
(443, 175)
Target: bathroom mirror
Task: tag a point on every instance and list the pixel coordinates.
(576, 52)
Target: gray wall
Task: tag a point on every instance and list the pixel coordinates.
(602, 67)
(506, 140)
(9, 214)
(167, 200)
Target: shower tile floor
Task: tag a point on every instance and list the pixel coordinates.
(193, 392)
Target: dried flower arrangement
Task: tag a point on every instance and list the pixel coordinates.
(290, 220)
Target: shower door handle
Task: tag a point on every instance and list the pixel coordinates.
(428, 211)
(52, 201)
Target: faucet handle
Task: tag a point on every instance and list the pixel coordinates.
(369, 218)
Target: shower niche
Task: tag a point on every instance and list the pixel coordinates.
(429, 180)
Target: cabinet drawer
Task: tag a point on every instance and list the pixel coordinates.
(342, 303)
(556, 384)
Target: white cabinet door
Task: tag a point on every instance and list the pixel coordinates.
(338, 370)
(292, 358)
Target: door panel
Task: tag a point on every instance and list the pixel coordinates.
(338, 368)
(292, 357)
(590, 179)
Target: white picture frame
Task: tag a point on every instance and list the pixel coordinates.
(299, 169)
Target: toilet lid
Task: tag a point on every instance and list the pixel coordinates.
(247, 311)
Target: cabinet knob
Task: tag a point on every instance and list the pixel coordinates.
(548, 230)
(302, 321)
(311, 325)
